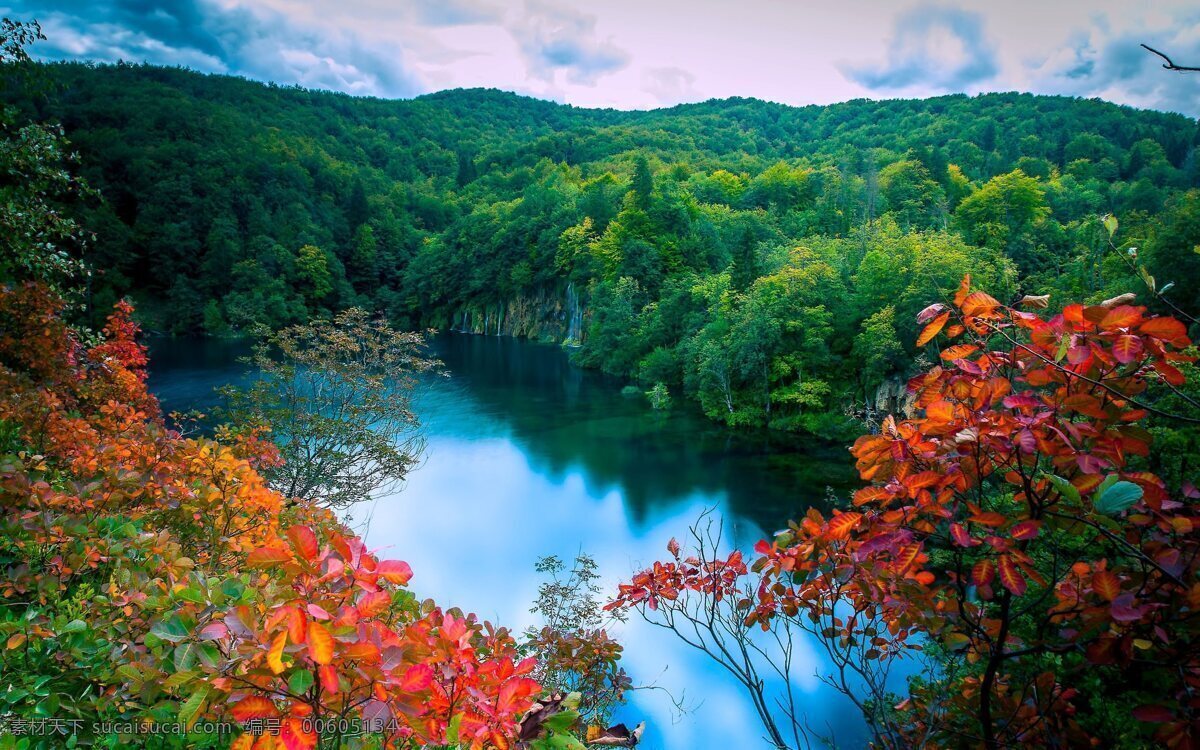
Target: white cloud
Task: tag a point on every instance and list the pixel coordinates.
(634, 54)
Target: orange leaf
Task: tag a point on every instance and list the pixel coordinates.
(266, 557)
(395, 571)
(988, 519)
(964, 288)
(253, 707)
(1123, 316)
(304, 541)
(982, 572)
(907, 557)
(329, 679)
(841, 524)
(933, 329)
(978, 303)
(244, 742)
(374, 603)
(1106, 584)
(940, 411)
(275, 655)
(1010, 576)
(320, 643)
(959, 351)
(297, 624)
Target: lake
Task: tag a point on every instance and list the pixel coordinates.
(529, 456)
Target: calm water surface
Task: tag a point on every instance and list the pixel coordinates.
(530, 456)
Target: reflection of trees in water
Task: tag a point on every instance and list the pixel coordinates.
(566, 418)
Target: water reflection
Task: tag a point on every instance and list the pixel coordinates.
(530, 456)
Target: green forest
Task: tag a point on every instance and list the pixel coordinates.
(767, 262)
(990, 301)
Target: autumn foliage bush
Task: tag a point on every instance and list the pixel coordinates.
(1010, 530)
(147, 576)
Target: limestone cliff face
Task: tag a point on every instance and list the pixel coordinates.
(557, 317)
(892, 397)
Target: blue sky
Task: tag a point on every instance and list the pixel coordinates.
(636, 54)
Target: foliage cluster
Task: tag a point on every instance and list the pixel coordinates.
(1013, 532)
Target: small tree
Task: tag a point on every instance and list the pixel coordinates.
(575, 654)
(338, 395)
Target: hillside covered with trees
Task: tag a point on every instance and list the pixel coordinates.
(766, 261)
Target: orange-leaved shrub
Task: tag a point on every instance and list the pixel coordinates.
(1011, 529)
(148, 576)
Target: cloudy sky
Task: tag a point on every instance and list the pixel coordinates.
(649, 53)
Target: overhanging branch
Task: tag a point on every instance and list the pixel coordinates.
(1170, 64)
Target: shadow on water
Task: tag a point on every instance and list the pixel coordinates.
(566, 418)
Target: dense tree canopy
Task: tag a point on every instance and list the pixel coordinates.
(740, 252)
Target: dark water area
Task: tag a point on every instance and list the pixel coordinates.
(529, 455)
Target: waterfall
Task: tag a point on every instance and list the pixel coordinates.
(499, 318)
(574, 317)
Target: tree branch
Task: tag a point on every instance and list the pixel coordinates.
(1169, 64)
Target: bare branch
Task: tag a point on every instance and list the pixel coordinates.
(1169, 64)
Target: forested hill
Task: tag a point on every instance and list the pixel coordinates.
(743, 253)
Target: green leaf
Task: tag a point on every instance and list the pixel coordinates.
(171, 629)
(452, 729)
(1111, 224)
(300, 682)
(179, 679)
(1117, 497)
(561, 721)
(210, 655)
(185, 656)
(74, 626)
(1065, 488)
(191, 708)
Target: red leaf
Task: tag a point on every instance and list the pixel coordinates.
(673, 547)
(1124, 609)
(395, 571)
(304, 541)
(1166, 329)
(418, 677)
(253, 707)
(1010, 577)
(1025, 530)
(1154, 714)
(1127, 348)
(961, 537)
(297, 734)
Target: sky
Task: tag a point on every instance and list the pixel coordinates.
(640, 54)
